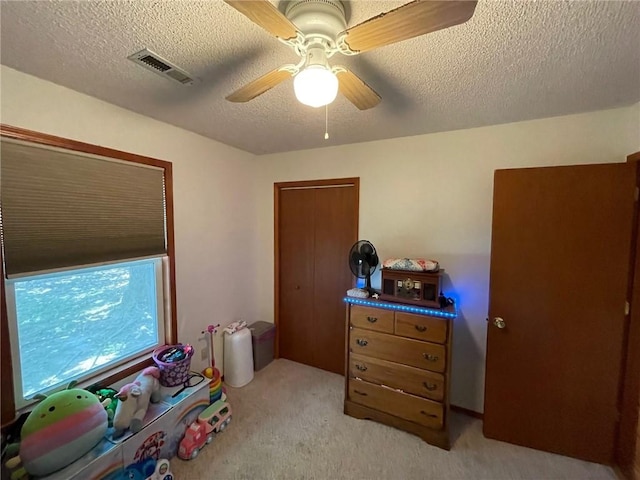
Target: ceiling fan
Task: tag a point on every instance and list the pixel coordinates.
(317, 29)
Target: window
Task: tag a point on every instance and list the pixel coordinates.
(87, 263)
(81, 322)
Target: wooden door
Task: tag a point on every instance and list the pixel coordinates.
(628, 448)
(316, 225)
(335, 233)
(561, 241)
(296, 238)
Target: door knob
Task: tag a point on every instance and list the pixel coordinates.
(499, 322)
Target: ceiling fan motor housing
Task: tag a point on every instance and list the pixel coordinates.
(318, 19)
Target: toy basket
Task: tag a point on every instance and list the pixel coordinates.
(173, 372)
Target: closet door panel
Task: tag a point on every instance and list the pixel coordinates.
(336, 211)
(296, 250)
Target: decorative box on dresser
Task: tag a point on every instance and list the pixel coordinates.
(398, 360)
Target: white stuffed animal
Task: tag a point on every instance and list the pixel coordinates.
(134, 400)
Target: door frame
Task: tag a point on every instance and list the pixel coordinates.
(303, 184)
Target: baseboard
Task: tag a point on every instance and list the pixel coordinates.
(466, 411)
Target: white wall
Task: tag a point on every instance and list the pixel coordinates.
(213, 193)
(431, 196)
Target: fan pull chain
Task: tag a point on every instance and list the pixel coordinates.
(326, 122)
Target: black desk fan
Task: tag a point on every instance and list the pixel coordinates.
(363, 261)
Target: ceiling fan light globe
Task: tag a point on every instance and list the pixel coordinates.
(315, 86)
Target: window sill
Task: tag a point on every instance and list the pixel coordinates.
(115, 377)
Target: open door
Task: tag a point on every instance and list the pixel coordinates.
(560, 260)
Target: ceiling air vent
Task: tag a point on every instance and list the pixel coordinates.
(154, 62)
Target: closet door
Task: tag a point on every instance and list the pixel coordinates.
(316, 225)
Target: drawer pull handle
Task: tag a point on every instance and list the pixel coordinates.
(361, 342)
(360, 393)
(428, 414)
(430, 386)
(372, 319)
(362, 368)
(421, 328)
(429, 357)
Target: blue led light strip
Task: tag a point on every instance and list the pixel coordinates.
(400, 308)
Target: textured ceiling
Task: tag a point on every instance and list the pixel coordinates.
(512, 61)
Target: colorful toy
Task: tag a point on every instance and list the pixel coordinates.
(212, 373)
(61, 429)
(214, 419)
(212, 330)
(215, 389)
(162, 471)
(107, 397)
(139, 471)
(134, 401)
(14, 462)
(176, 354)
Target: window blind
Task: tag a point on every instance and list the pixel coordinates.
(63, 209)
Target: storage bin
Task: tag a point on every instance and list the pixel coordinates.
(173, 373)
(263, 335)
(238, 358)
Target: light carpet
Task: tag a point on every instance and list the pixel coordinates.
(288, 424)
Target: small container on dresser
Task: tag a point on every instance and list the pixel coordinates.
(398, 366)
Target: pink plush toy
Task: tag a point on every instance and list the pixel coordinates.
(134, 400)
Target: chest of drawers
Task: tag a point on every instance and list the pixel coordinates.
(398, 367)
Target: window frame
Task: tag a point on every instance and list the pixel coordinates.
(100, 371)
(8, 406)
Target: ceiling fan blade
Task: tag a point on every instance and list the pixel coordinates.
(410, 20)
(356, 90)
(266, 15)
(260, 85)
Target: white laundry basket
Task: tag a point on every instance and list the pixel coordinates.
(238, 358)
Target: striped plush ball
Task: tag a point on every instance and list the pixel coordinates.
(61, 429)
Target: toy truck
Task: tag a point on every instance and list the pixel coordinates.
(214, 419)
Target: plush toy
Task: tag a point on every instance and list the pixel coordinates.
(61, 429)
(107, 397)
(134, 400)
(14, 462)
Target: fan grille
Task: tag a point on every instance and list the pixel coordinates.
(363, 260)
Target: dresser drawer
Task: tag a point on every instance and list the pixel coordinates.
(372, 318)
(419, 354)
(409, 379)
(430, 329)
(415, 409)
